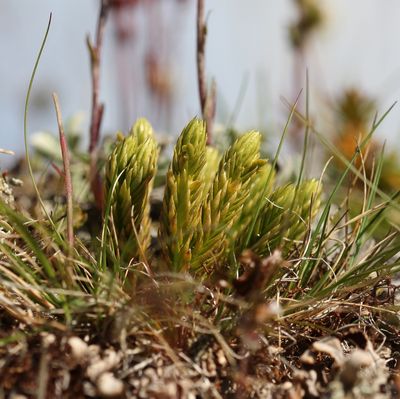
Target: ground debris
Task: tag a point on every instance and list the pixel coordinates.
(108, 386)
(352, 373)
(330, 367)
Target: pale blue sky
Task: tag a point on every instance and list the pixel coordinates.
(359, 47)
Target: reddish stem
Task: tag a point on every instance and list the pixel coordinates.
(68, 192)
(66, 174)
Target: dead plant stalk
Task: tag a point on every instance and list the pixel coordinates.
(207, 97)
(66, 174)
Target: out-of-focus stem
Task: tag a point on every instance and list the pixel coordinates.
(68, 187)
(97, 107)
(207, 97)
(66, 173)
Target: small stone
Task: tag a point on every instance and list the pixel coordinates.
(48, 339)
(89, 390)
(16, 182)
(96, 369)
(221, 358)
(108, 386)
(17, 396)
(99, 366)
(79, 349)
(357, 360)
(94, 350)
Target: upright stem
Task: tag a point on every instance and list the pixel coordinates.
(67, 171)
(207, 98)
(201, 44)
(97, 107)
(67, 185)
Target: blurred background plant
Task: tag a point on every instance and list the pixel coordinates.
(148, 68)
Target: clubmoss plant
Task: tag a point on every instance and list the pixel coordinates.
(130, 171)
(209, 202)
(261, 189)
(285, 217)
(184, 196)
(213, 158)
(225, 200)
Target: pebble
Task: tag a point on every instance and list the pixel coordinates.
(79, 349)
(108, 386)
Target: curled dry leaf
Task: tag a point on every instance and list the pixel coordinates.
(257, 273)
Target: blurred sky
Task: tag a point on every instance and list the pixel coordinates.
(247, 46)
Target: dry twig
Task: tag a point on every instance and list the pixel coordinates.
(97, 107)
(66, 174)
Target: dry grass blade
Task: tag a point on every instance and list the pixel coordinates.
(67, 174)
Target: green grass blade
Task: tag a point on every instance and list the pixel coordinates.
(18, 223)
(26, 109)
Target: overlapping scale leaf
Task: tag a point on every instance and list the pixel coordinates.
(130, 170)
(260, 191)
(285, 217)
(212, 161)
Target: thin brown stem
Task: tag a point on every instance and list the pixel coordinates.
(95, 57)
(66, 173)
(97, 107)
(207, 98)
(201, 44)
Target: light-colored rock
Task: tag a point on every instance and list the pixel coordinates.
(108, 386)
(99, 366)
(79, 349)
(48, 339)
